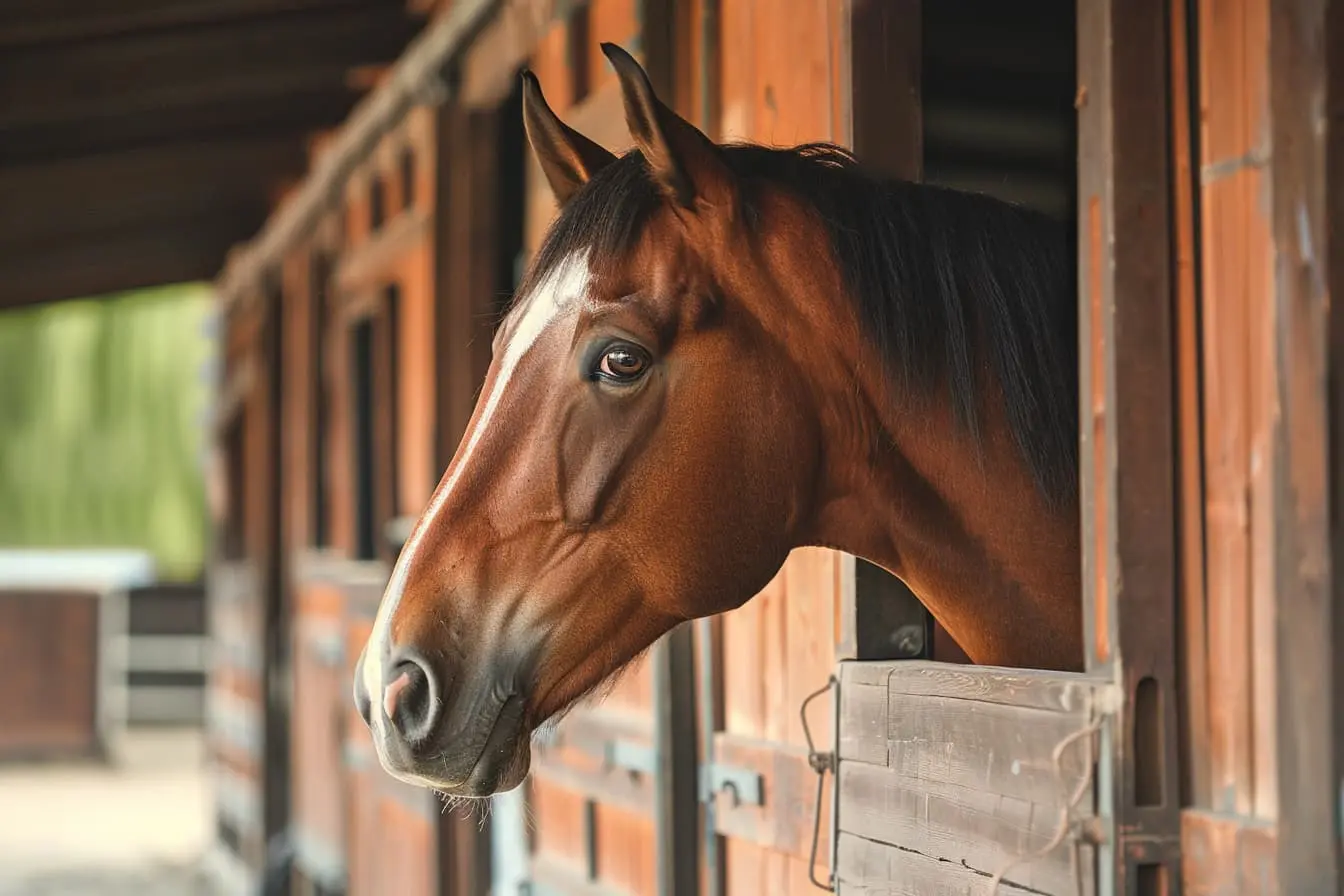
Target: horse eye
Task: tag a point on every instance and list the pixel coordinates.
(623, 363)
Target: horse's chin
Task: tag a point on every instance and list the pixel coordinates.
(499, 770)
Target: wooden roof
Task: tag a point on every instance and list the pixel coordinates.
(141, 139)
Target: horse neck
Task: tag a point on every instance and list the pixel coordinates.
(956, 516)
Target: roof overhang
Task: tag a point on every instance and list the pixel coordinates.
(141, 139)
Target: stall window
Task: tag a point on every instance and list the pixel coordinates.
(361, 368)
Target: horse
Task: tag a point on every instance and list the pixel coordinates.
(722, 352)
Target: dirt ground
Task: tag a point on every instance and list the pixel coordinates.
(138, 828)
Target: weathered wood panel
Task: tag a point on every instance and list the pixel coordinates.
(1305, 74)
(973, 769)
(877, 869)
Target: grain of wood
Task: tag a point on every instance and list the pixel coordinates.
(1190, 509)
(1229, 138)
(810, 601)
(961, 782)
(977, 829)
(1028, 688)
(1003, 749)
(863, 721)
(876, 869)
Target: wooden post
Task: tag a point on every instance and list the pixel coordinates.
(275, 591)
(1306, 687)
(1127, 420)
(882, 121)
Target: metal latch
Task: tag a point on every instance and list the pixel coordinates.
(745, 786)
(821, 762)
(632, 757)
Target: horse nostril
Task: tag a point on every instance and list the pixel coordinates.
(410, 698)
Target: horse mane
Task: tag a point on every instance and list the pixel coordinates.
(941, 279)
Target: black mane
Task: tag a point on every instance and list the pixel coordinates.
(941, 277)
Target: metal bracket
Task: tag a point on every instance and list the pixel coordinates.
(634, 758)
(821, 763)
(746, 786)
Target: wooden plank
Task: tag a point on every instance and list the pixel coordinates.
(43, 21)
(1127, 422)
(1026, 688)
(169, 250)
(1232, 88)
(863, 720)
(809, 610)
(1003, 749)
(875, 869)
(71, 198)
(960, 774)
(239, 59)
(1223, 855)
(1194, 740)
(1304, 621)
(967, 826)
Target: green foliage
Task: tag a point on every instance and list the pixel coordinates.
(102, 404)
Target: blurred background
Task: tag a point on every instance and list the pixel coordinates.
(103, 644)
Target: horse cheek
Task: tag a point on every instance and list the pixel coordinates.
(596, 448)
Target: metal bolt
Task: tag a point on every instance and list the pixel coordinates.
(909, 640)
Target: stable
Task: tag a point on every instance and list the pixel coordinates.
(828, 733)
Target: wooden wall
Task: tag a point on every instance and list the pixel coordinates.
(1263, 681)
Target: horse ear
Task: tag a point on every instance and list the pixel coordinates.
(568, 159)
(685, 161)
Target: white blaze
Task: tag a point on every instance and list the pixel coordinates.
(560, 288)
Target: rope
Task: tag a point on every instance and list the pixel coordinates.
(1066, 820)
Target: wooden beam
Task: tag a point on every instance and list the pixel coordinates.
(1306, 643)
(1127, 423)
(282, 110)
(180, 67)
(101, 194)
(171, 252)
(29, 22)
